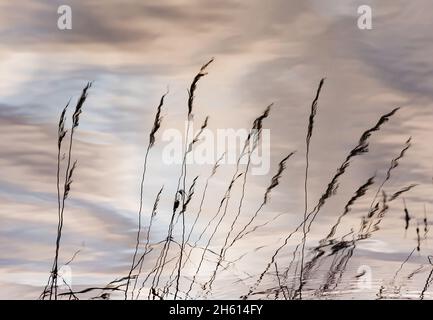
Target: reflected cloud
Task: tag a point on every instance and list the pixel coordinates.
(274, 51)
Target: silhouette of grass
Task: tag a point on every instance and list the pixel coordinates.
(155, 128)
(51, 287)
